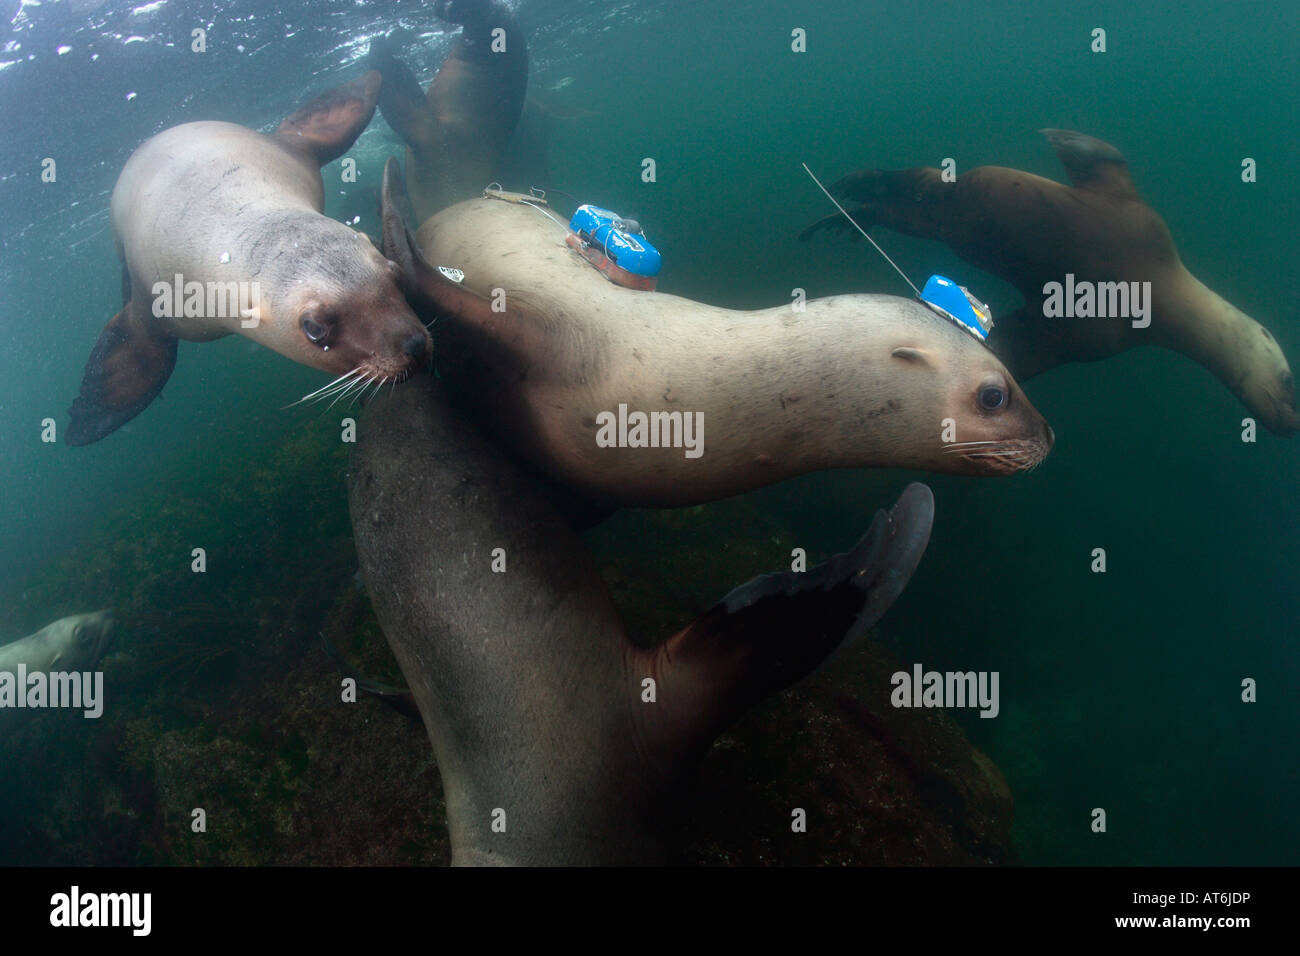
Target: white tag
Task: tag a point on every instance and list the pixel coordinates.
(455, 275)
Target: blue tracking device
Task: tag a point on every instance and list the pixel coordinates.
(618, 239)
(956, 303)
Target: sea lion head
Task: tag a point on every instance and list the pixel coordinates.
(348, 316)
(977, 419)
(88, 638)
(1265, 384)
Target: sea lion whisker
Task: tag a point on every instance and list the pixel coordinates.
(351, 389)
(341, 387)
(359, 388)
(360, 395)
(993, 449)
(323, 391)
(336, 394)
(341, 393)
(1001, 453)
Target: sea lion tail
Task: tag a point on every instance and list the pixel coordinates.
(127, 369)
(326, 127)
(771, 631)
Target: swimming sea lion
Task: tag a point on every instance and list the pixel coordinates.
(1033, 231)
(72, 643)
(532, 694)
(220, 230)
(852, 381)
(457, 133)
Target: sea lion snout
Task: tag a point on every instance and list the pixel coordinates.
(367, 327)
(1285, 419)
(416, 347)
(392, 344)
(998, 430)
(1269, 393)
(91, 637)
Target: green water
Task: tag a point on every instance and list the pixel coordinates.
(1119, 691)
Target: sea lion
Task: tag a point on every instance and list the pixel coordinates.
(228, 220)
(73, 643)
(458, 132)
(533, 696)
(1033, 231)
(852, 381)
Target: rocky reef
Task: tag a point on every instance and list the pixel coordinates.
(220, 696)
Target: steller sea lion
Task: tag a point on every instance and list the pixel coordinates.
(220, 230)
(852, 381)
(551, 748)
(1033, 231)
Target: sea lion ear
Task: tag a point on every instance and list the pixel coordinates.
(127, 369)
(1092, 163)
(773, 630)
(909, 354)
(327, 126)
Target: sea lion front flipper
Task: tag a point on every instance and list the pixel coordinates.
(127, 369)
(399, 698)
(773, 630)
(327, 126)
(914, 201)
(1092, 163)
(864, 216)
(401, 100)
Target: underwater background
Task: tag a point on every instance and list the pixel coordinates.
(1118, 690)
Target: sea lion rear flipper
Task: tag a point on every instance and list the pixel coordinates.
(127, 369)
(1092, 163)
(773, 630)
(401, 100)
(327, 126)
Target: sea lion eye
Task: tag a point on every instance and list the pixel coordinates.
(314, 330)
(992, 398)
